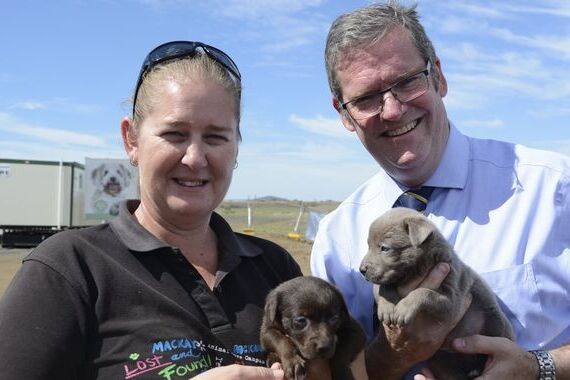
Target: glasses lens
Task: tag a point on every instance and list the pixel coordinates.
(221, 57)
(406, 90)
(411, 88)
(366, 106)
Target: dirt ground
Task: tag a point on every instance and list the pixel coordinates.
(10, 261)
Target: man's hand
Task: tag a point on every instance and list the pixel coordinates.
(419, 340)
(506, 359)
(393, 353)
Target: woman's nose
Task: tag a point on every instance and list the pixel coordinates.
(195, 156)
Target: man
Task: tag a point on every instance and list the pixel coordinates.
(505, 208)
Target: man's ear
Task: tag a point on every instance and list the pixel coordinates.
(129, 136)
(439, 78)
(419, 230)
(346, 120)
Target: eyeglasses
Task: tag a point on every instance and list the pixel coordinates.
(180, 49)
(404, 90)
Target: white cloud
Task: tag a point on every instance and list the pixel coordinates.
(301, 152)
(560, 146)
(478, 20)
(59, 136)
(322, 126)
(257, 9)
(308, 180)
(29, 105)
(560, 8)
(471, 10)
(550, 111)
(557, 46)
(60, 104)
(31, 150)
(475, 72)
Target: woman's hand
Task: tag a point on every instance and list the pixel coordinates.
(242, 372)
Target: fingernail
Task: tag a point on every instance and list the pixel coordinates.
(278, 373)
(459, 343)
(443, 268)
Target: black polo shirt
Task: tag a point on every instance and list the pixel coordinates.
(114, 302)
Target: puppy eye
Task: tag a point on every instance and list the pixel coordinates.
(384, 248)
(334, 320)
(299, 323)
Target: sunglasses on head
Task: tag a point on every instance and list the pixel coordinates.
(180, 49)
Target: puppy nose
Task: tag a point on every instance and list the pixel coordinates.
(325, 348)
(363, 269)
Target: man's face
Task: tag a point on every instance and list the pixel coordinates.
(406, 139)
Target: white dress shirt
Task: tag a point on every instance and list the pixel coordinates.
(506, 210)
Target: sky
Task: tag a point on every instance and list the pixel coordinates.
(68, 68)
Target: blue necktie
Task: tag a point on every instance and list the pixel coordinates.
(416, 199)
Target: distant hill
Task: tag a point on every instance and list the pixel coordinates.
(270, 198)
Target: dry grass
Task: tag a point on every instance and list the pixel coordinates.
(273, 220)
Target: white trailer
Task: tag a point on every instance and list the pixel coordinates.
(38, 199)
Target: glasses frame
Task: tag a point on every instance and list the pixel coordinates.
(426, 72)
(180, 49)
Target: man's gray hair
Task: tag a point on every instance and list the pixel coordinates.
(363, 27)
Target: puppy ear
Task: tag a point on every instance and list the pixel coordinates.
(343, 309)
(271, 307)
(419, 230)
(96, 172)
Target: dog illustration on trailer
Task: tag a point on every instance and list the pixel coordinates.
(110, 180)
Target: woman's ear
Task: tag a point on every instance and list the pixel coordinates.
(129, 136)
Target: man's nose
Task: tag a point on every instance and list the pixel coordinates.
(392, 108)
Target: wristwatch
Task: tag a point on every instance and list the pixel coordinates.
(546, 368)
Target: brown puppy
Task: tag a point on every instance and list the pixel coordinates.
(305, 323)
(405, 245)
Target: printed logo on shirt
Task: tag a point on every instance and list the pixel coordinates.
(185, 358)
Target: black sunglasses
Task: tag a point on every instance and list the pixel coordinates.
(180, 49)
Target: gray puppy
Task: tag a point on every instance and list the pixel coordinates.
(404, 245)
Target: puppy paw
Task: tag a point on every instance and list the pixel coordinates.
(295, 368)
(403, 316)
(385, 314)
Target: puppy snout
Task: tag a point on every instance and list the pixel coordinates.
(363, 269)
(325, 348)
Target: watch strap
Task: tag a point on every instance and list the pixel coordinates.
(546, 367)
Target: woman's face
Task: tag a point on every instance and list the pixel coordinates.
(186, 148)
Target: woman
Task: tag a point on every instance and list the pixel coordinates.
(166, 290)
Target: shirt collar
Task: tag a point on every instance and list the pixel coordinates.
(138, 239)
(452, 171)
